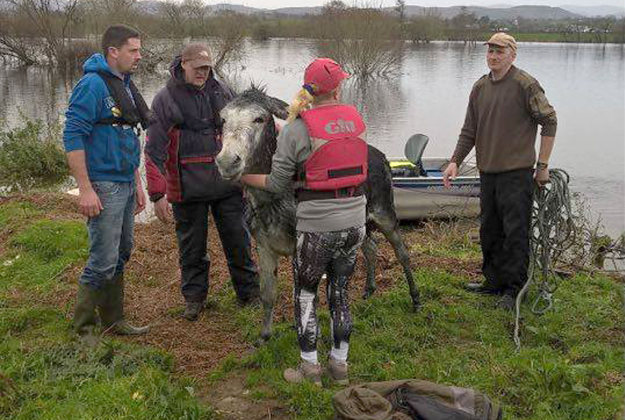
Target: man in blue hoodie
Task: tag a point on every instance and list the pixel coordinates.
(103, 152)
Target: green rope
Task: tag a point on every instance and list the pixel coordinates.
(551, 233)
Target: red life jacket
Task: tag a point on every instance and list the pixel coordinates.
(340, 163)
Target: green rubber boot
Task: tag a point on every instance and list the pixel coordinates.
(112, 309)
(85, 320)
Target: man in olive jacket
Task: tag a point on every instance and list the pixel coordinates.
(505, 108)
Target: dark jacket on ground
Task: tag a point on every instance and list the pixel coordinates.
(184, 138)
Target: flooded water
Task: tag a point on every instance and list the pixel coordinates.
(585, 84)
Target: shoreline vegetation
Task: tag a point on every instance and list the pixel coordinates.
(571, 365)
(64, 33)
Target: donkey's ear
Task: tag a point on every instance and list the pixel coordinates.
(278, 107)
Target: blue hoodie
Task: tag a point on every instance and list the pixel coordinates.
(112, 152)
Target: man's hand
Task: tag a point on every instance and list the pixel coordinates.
(450, 173)
(163, 210)
(541, 176)
(139, 200)
(89, 202)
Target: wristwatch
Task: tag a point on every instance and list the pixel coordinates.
(155, 197)
(541, 165)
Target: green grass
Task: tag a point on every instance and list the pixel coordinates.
(40, 252)
(45, 372)
(570, 366)
(14, 213)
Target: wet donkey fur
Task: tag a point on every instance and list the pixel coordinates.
(249, 142)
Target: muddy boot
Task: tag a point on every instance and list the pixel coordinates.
(305, 371)
(112, 309)
(192, 310)
(337, 371)
(84, 314)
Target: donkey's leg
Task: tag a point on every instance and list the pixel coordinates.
(369, 251)
(268, 260)
(390, 228)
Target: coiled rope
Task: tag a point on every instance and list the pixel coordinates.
(551, 233)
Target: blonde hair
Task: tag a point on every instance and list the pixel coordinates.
(303, 100)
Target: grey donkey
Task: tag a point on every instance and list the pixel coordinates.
(249, 142)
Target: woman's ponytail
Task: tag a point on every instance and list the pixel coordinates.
(302, 102)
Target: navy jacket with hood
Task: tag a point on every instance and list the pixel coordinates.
(112, 152)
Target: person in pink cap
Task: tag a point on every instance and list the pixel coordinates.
(322, 148)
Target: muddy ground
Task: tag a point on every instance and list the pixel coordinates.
(153, 297)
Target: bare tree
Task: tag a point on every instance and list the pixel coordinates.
(400, 8)
(175, 18)
(102, 13)
(366, 41)
(465, 26)
(229, 45)
(426, 27)
(51, 21)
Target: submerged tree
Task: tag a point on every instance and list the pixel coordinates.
(366, 41)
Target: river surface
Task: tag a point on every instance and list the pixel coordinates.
(585, 83)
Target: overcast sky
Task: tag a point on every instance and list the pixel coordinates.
(274, 4)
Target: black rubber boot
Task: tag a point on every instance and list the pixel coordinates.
(112, 309)
(85, 320)
(482, 288)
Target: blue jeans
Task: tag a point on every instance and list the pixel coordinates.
(110, 233)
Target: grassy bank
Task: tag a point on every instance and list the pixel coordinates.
(570, 367)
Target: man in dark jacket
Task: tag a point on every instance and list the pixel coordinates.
(184, 138)
(103, 153)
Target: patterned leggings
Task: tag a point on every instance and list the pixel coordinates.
(333, 253)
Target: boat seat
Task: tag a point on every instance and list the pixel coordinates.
(414, 151)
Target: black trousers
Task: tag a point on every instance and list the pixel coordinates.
(506, 201)
(192, 233)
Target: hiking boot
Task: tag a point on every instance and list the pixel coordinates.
(192, 310)
(481, 288)
(338, 371)
(112, 309)
(305, 371)
(507, 302)
(84, 314)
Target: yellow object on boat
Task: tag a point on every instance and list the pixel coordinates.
(399, 164)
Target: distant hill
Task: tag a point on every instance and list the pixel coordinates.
(494, 13)
(298, 11)
(527, 12)
(245, 10)
(590, 11)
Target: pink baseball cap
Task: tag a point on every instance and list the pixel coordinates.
(323, 75)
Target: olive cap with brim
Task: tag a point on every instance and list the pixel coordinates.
(196, 55)
(503, 40)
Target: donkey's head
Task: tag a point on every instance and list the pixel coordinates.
(249, 134)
